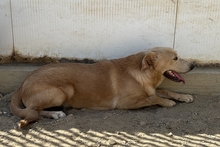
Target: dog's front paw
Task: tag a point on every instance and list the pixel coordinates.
(185, 98)
(168, 103)
(188, 98)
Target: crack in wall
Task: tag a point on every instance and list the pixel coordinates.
(12, 29)
(175, 25)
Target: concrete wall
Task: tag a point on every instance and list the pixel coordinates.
(106, 29)
(198, 30)
(6, 38)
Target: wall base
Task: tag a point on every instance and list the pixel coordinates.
(202, 80)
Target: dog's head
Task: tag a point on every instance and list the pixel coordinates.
(166, 62)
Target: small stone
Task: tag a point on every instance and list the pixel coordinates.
(112, 142)
(170, 134)
(118, 133)
(142, 123)
(124, 142)
(70, 115)
(83, 109)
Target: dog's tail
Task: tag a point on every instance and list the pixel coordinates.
(28, 115)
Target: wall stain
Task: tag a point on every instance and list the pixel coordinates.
(198, 63)
(16, 58)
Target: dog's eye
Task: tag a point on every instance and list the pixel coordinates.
(176, 58)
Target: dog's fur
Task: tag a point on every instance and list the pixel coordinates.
(126, 83)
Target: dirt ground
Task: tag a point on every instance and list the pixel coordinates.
(194, 124)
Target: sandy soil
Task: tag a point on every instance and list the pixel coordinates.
(194, 124)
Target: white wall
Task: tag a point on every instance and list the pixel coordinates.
(106, 29)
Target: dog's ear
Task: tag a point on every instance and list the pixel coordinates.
(148, 60)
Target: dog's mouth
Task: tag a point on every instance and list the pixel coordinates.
(174, 76)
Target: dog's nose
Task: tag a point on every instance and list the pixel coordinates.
(192, 66)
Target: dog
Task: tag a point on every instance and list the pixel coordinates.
(125, 83)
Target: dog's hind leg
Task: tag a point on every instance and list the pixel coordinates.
(47, 98)
(67, 93)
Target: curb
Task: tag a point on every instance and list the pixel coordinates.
(202, 80)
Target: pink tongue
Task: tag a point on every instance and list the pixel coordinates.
(179, 77)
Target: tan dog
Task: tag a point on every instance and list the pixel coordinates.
(126, 83)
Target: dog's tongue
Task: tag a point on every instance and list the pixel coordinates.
(179, 77)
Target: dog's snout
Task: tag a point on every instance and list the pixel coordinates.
(192, 66)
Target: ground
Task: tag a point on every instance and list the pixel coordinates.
(193, 124)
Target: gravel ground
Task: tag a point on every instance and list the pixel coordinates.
(194, 124)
